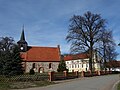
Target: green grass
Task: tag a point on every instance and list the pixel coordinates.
(21, 85)
(4, 86)
(118, 86)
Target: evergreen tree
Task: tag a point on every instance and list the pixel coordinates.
(62, 66)
(11, 62)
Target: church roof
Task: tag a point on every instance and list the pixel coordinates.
(43, 54)
(76, 56)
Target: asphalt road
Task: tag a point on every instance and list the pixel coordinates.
(91, 83)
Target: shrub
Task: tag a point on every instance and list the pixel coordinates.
(32, 72)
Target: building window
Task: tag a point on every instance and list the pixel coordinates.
(50, 65)
(69, 66)
(75, 65)
(77, 62)
(33, 65)
(71, 62)
(72, 66)
(86, 65)
(82, 65)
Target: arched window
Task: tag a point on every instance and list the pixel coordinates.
(33, 65)
(50, 65)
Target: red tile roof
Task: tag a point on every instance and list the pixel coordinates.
(113, 63)
(118, 63)
(77, 56)
(42, 54)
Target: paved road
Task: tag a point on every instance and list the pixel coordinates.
(91, 83)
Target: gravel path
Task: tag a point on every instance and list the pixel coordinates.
(91, 83)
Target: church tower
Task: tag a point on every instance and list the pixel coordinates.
(22, 42)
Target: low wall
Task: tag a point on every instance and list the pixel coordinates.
(70, 75)
(62, 75)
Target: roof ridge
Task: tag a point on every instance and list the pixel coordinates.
(42, 47)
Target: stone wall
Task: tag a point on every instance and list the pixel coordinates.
(41, 66)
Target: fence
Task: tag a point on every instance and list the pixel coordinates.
(25, 78)
(51, 76)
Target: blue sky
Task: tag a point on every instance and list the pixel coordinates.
(46, 21)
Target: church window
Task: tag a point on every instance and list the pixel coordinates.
(50, 65)
(33, 65)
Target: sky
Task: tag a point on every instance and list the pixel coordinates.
(46, 22)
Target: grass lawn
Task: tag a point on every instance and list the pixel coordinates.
(118, 87)
(21, 85)
(4, 86)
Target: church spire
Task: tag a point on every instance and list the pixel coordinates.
(22, 42)
(22, 35)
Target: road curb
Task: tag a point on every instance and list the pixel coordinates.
(115, 85)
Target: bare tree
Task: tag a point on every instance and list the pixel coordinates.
(111, 54)
(107, 47)
(6, 43)
(84, 32)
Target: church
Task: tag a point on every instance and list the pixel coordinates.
(41, 59)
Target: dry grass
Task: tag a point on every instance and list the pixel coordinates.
(21, 85)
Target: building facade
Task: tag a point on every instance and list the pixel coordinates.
(80, 62)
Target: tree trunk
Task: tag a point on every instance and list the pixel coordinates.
(105, 58)
(90, 60)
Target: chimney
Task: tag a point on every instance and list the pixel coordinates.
(59, 51)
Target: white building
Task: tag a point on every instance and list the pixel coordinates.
(80, 62)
